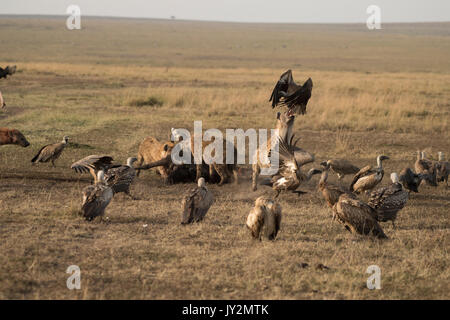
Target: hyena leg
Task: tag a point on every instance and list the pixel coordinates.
(140, 160)
(222, 172)
(255, 174)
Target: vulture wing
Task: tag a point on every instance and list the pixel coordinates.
(96, 162)
(120, 178)
(361, 173)
(297, 101)
(281, 88)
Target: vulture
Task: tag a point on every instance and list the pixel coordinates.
(410, 180)
(341, 167)
(92, 164)
(289, 176)
(443, 169)
(368, 177)
(120, 177)
(330, 192)
(426, 168)
(50, 152)
(96, 198)
(288, 93)
(264, 219)
(9, 70)
(357, 217)
(197, 203)
(2, 101)
(387, 201)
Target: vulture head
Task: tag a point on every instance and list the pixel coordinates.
(201, 183)
(130, 161)
(65, 139)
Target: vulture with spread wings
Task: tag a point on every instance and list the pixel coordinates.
(93, 164)
(288, 93)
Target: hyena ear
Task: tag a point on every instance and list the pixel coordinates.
(278, 115)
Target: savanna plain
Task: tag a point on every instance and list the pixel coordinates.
(117, 81)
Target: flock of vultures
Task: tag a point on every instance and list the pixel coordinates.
(264, 220)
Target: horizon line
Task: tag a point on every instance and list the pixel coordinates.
(201, 20)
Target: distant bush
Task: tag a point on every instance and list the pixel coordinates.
(150, 101)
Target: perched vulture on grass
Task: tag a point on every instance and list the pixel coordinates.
(50, 152)
(357, 217)
(93, 164)
(368, 177)
(387, 201)
(120, 177)
(96, 198)
(197, 203)
(9, 70)
(288, 93)
(264, 219)
(426, 168)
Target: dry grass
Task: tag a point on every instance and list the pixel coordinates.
(357, 111)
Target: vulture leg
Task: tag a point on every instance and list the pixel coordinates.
(236, 175)
(255, 174)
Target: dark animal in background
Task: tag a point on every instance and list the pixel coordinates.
(8, 71)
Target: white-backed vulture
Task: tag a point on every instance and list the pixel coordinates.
(50, 152)
(357, 217)
(96, 198)
(426, 168)
(443, 169)
(92, 164)
(2, 101)
(264, 219)
(330, 192)
(341, 167)
(287, 93)
(410, 180)
(120, 177)
(289, 176)
(388, 201)
(368, 177)
(197, 203)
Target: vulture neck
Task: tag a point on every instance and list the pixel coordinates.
(323, 179)
(379, 162)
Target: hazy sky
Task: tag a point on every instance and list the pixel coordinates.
(242, 10)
